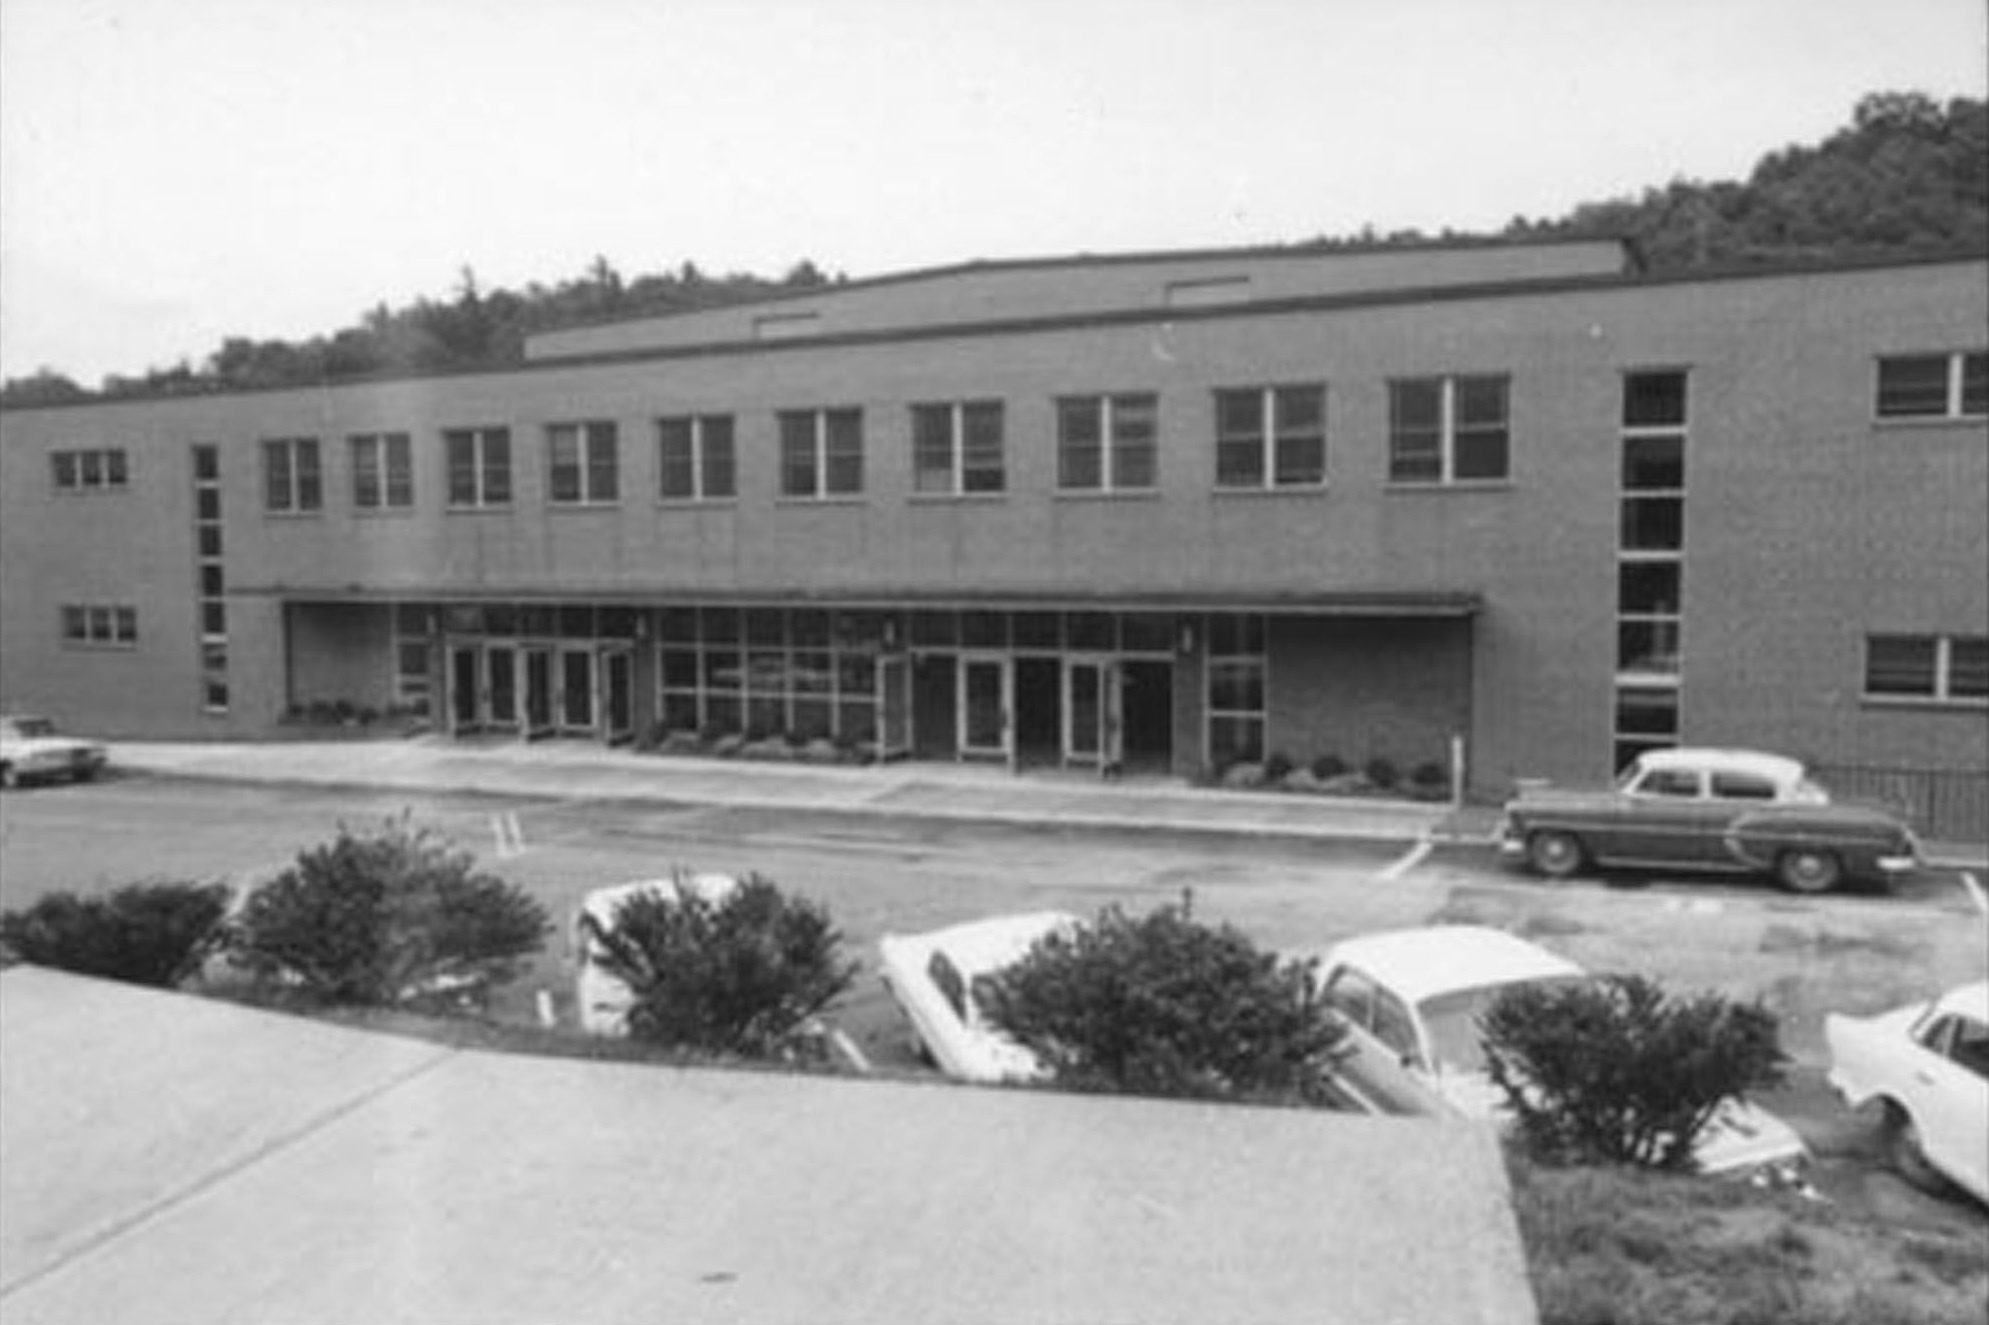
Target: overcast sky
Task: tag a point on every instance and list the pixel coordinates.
(173, 172)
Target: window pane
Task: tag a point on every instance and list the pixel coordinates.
(676, 473)
(1134, 428)
(1647, 646)
(1482, 453)
(64, 463)
(310, 488)
(1653, 524)
(1900, 665)
(1415, 431)
(844, 452)
(603, 463)
(213, 618)
(1239, 439)
(563, 461)
(207, 504)
(981, 450)
(400, 470)
(207, 462)
(716, 434)
(496, 466)
(462, 458)
(1968, 669)
(1236, 685)
(1301, 449)
(1080, 444)
(114, 470)
(1914, 386)
(1654, 463)
(932, 448)
(365, 472)
(1646, 712)
(1649, 588)
(276, 475)
(1654, 400)
(1975, 384)
(75, 624)
(797, 456)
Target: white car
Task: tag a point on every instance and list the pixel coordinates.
(1411, 1000)
(937, 977)
(1928, 1066)
(603, 1000)
(32, 750)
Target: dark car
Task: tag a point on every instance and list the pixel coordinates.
(1700, 809)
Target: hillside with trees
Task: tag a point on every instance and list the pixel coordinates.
(1907, 175)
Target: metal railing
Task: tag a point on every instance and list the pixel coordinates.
(1944, 805)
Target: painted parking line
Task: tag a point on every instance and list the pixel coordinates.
(1413, 857)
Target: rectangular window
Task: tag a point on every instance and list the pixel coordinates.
(292, 480)
(382, 471)
(821, 453)
(1933, 386)
(479, 466)
(96, 625)
(694, 458)
(583, 464)
(1944, 668)
(957, 448)
(1449, 429)
(1107, 443)
(95, 470)
(1271, 437)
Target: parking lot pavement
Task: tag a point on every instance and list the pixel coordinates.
(173, 1160)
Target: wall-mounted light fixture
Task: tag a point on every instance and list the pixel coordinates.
(1187, 640)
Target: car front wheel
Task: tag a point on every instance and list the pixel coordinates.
(1808, 870)
(1555, 854)
(1903, 1148)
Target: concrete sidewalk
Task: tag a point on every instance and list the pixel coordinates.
(587, 770)
(171, 1159)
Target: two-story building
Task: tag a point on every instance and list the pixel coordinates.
(1168, 511)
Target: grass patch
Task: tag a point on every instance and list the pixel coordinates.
(1629, 1247)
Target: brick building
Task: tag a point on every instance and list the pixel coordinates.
(1167, 510)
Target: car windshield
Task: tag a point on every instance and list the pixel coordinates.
(33, 727)
(1451, 1022)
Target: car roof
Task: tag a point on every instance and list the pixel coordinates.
(602, 903)
(981, 946)
(1971, 1001)
(1425, 963)
(1776, 768)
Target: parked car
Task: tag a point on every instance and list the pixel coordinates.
(937, 978)
(1411, 1000)
(1704, 809)
(603, 999)
(32, 750)
(1927, 1066)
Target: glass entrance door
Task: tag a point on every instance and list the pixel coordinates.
(465, 688)
(538, 713)
(894, 706)
(576, 690)
(618, 698)
(1091, 711)
(987, 695)
(500, 662)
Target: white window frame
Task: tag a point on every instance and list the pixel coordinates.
(381, 457)
(479, 439)
(588, 437)
(819, 468)
(1957, 376)
(293, 450)
(1448, 429)
(956, 416)
(699, 430)
(1267, 479)
(1943, 692)
(1108, 409)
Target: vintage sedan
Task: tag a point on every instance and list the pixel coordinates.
(1926, 1066)
(937, 979)
(1411, 1000)
(32, 750)
(602, 998)
(1704, 809)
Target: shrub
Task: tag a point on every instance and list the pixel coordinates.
(1615, 1070)
(1277, 766)
(1429, 777)
(1381, 771)
(153, 933)
(743, 974)
(1164, 1005)
(1329, 766)
(395, 917)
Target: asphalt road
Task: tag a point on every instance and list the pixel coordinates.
(1803, 956)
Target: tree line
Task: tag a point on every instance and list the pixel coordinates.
(1908, 174)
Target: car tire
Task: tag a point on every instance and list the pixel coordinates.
(1808, 870)
(1903, 1149)
(1555, 854)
